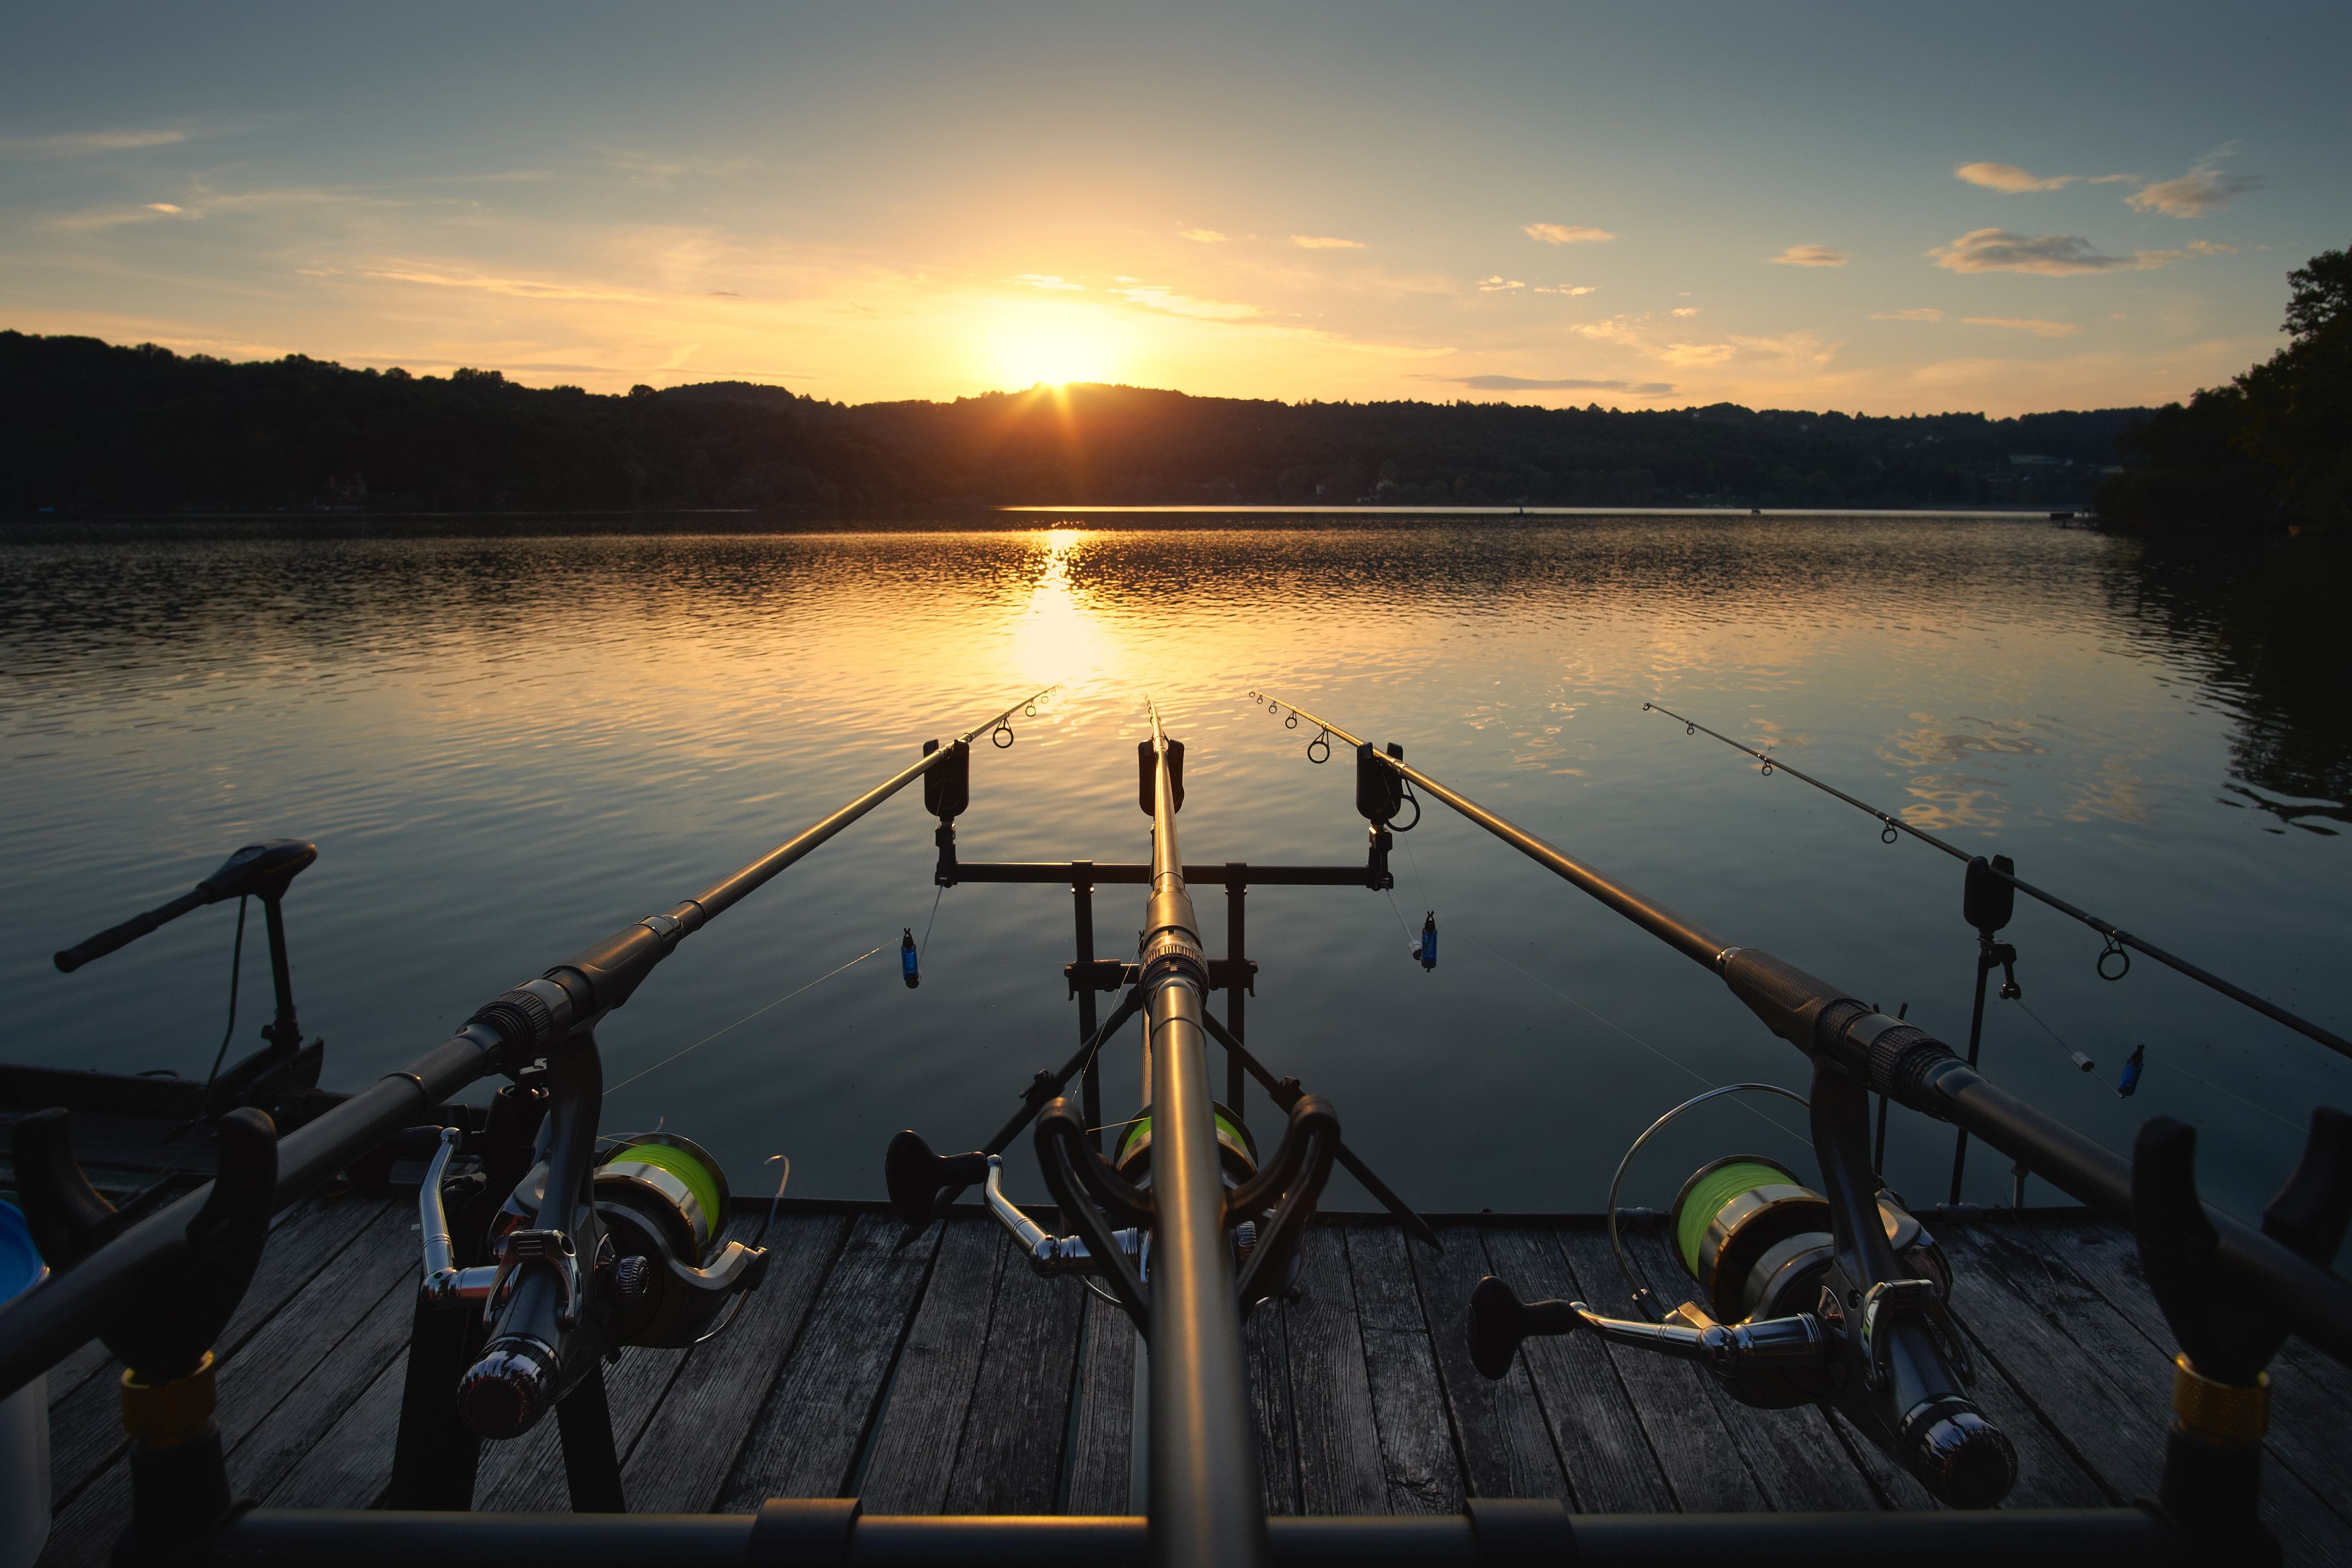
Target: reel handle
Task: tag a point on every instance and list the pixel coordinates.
(1499, 1320)
(914, 1176)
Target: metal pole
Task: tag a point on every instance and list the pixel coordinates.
(1976, 1040)
(284, 1033)
(1492, 1532)
(1237, 890)
(1082, 900)
(1207, 1510)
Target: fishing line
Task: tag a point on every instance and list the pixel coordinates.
(1629, 1034)
(744, 1019)
(1410, 940)
(2171, 1065)
(2075, 1057)
(925, 945)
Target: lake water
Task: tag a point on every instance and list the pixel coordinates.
(509, 740)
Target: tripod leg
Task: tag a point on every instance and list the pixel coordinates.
(435, 1454)
(584, 1420)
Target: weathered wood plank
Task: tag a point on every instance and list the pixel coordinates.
(1796, 1456)
(1099, 1458)
(1507, 1449)
(804, 1437)
(1330, 1385)
(1419, 1465)
(1266, 1354)
(923, 1420)
(349, 1466)
(86, 1421)
(314, 1412)
(1010, 1460)
(681, 1460)
(2108, 1347)
(1594, 1428)
(2308, 1416)
(1697, 1454)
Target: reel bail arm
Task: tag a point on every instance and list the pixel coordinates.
(1500, 1322)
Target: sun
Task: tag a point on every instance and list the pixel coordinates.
(1029, 343)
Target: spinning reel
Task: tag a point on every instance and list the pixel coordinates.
(642, 1263)
(1267, 1208)
(1802, 1296)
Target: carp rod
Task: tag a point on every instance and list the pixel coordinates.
(47, 1322)
(2117, 938)
(1919, 1072)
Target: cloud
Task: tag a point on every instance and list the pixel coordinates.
(2212, 248)
(1812, 256)
(1048, 280)
(1157, 299)
(2009, 177)
(162, 207)
(1530, 384)
(1498, 284)
(74, 143)
(1202, 236)
(1564, 288)
(1686, 310)
(1916, 313)
(2023, 324)
(2051, 255)
(1325, 242)
(515, 287)
(1697, 353)
(1566, 233)
(2202, 190)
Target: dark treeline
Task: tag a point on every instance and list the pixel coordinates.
(86, 426)
(2273, 446)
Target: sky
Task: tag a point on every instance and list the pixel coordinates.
(1879, 209)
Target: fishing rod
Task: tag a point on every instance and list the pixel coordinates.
(1187, 1230)
(2118, 939)
(1208, 1505)
(105, 1270)
(2230, 1291)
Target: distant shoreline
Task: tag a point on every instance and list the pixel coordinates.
(24, 527)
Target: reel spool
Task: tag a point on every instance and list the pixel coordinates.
(1237, 1161)
(664, 1202)
(1236, 1150)
(1755, 1238)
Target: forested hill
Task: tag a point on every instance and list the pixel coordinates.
(85, 426)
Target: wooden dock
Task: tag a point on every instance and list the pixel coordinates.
(945, 1377)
